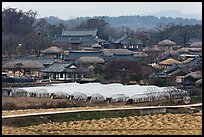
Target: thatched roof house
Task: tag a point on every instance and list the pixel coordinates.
(166, 43)
(194, 75)
(52, 49)
(154, 48)
(25, 64)
(96, 46)
(182, 50)
(187, 60)
(198, 83)
(169, 61)
(195, 49)
(94, 60)
(140, 54)
(196, 45)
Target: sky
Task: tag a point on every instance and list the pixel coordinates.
(70, 10)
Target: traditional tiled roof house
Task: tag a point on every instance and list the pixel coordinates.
(77, 39)
(64, 71)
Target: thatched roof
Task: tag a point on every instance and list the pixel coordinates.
(31, 64)
(169, 61)
(166, 43)
(195, 49)
(170, 52)
(187, 60)
(111, 52)
(195, 75)
(199, 81)
(90, 60)
(182, 50)
(154, 48)
(52, 50)
(96, 45)
(140, 54)
(196, 45)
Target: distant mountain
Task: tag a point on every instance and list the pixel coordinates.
(176, 14)
(54, 20)
(134, 22)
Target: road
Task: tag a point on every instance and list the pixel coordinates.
(102, 109)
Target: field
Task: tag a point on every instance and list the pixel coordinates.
(157, 124)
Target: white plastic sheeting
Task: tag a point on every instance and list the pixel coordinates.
(97, 97)
(107, 90)
(119, 98)
(19, 93)
(79, 96)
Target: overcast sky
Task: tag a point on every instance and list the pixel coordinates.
(68, 10)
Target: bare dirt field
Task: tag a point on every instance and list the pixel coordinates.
(157, 124)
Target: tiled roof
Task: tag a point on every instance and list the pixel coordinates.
(90, 60)
(75, 39)
(56, 67)
(111, 52)
(92, 32)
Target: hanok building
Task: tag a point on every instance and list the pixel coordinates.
(65, 71)
(77, 39)
(126, 42)
(166, 44)
(18, 68)
(53, 52)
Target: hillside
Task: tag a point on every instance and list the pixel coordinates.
(135, 22)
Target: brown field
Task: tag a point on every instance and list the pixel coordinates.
(157, 124)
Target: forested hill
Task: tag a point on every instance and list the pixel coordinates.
(134, 22)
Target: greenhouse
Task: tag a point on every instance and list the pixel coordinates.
(98, 91)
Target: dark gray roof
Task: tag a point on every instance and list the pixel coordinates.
(56, 67)
(119, 39)
(111, 52)
(91, 32)
(75, 39)
(90, 60)
(63, 67)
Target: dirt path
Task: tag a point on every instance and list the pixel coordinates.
(19, 113)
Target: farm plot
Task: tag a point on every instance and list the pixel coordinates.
(157, 124)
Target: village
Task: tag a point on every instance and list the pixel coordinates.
(90, 65)
(172, 65)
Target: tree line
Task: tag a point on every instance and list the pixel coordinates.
(24, 34)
